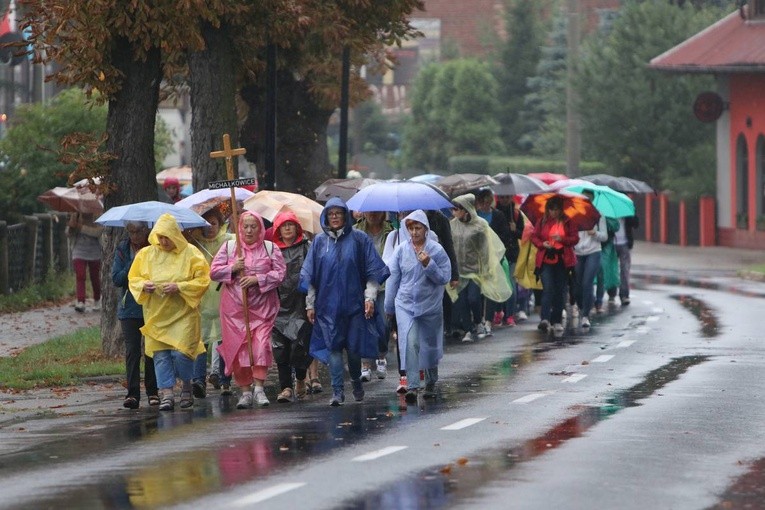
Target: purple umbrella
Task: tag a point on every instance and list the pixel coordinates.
(399, 196)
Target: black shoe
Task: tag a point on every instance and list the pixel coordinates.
(199, 389)
(214, 380)
(411, 396)
(430, 391)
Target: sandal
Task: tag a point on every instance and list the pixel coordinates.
(285, 396)
(130, 403)
(315, 386)
(187, 400)
(153, 400)
(300, 389)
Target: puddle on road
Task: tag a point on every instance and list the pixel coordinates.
(640, 281)
(703, 312)
(465, 478)
(746, 491)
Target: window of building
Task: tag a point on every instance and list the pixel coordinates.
(742, 183)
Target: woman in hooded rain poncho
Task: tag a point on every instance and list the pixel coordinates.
(341, 276)
(479, 255)
(419, 270)
(256, 274)
(209, 240)
(168, 278)
(291, 335)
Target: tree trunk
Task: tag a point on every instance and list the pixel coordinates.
(213, 106)
(302, 158)
(130, 126)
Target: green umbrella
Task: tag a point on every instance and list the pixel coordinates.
(609, 203)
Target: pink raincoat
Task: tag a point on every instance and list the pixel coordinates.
(262, 301)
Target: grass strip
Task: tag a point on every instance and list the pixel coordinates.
(61, 361)
(55, 288)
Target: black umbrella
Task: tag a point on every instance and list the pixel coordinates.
(619, 183)
(517, 184)
(457, 184)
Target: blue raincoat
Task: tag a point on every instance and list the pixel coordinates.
(415, 293)
(339, 268)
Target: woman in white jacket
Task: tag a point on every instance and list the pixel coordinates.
(587, 252)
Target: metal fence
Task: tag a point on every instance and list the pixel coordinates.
(29, 250)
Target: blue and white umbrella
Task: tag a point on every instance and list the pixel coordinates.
(399, 196)
(150, 212)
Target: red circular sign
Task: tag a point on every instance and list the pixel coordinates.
(708, 107)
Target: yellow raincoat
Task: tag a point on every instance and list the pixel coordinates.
(479, 254)
(170, 321)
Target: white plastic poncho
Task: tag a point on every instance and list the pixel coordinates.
(479, 253)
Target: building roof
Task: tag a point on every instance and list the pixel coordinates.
(732, 45)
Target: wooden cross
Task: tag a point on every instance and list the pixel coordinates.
(229, 153)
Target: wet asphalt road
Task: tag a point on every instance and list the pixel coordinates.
(659, 406)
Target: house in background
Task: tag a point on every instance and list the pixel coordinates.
(733, 50)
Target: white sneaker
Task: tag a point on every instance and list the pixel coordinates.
(574, 311)
(366, 373)
(80, 306)
(558, 330)
(487, 328)
(585, 323)
(245, 401)
(468, 337)
(382, 368)
(97, 306)
(521, 316)
(261, 399)
(480, 331)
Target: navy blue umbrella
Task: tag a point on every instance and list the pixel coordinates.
(398, 196)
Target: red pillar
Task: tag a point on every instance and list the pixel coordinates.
(683, 224)
(648, 218)
(707, 223)
(663, 218)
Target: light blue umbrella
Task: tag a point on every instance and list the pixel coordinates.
(150, 212)
(609, 203)
(429, 178)
(398, 196)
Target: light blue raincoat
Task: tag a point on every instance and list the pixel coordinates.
(414, 293)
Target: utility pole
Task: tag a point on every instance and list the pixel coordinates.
(573, 121)
(342, 160)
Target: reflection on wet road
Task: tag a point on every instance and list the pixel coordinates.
(438, 488)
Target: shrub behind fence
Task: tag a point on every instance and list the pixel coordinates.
(28, 250)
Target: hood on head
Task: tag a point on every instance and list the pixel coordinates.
(336, 202)
(261, 231)
(167, 226)
(419, 216)
(468, 202)
(281, 219)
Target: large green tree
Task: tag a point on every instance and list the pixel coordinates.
(516, 63)
(454, 112)
(636, 120)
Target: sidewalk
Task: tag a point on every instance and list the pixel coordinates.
(715, 260)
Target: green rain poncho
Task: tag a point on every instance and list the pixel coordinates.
(479, 254)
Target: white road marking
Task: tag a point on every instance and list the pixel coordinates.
(624, 343)
(643, 330)
(574, 378)
(529, 398)
(652, 318)
(379, 453)
(603, 358)
(657, 309)
(265, 494)
(463, 423)
(647, 302)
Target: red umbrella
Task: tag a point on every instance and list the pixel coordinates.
(548, 177)
(576, 208)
